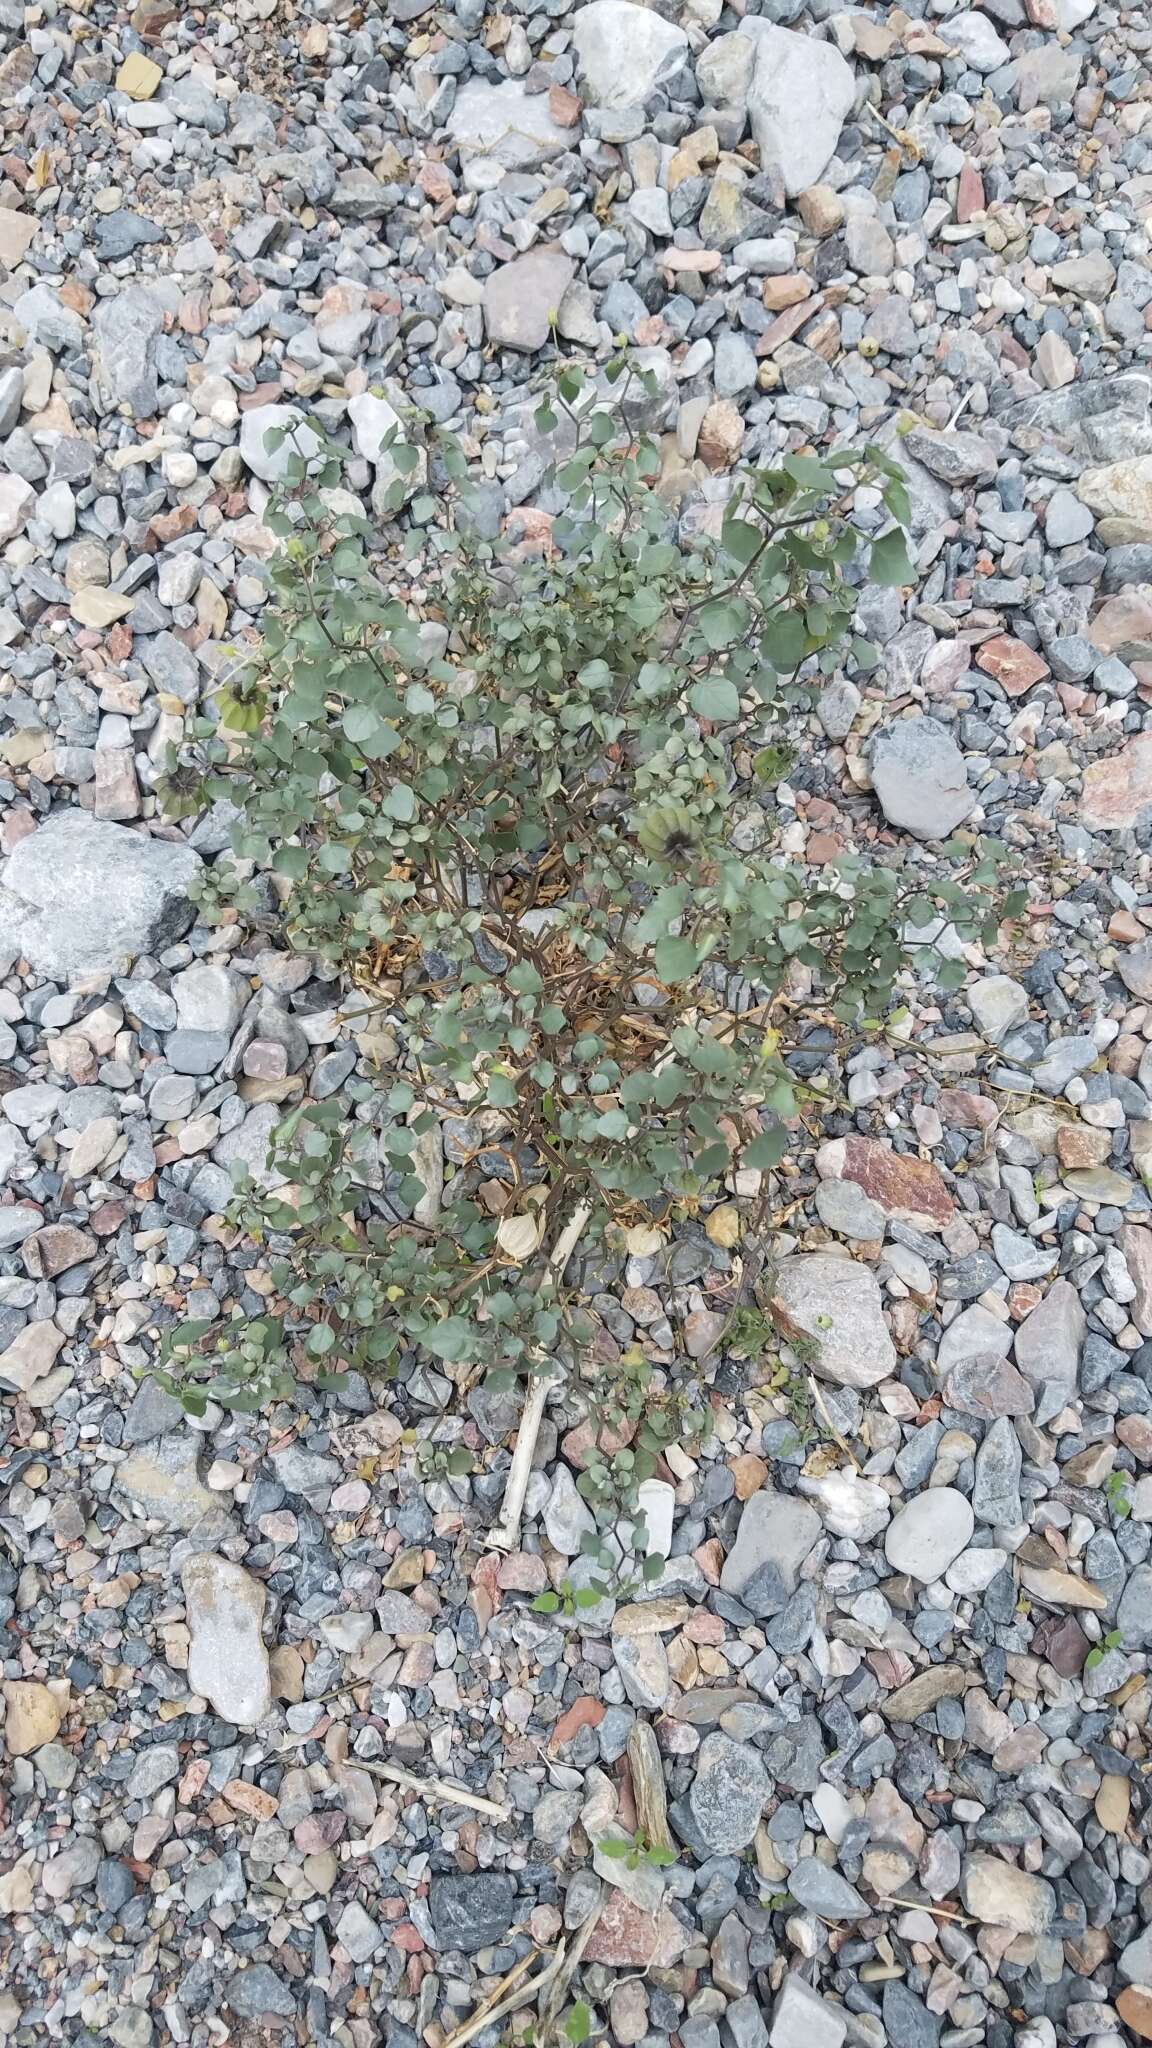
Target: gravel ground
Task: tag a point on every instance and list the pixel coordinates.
(892, 1685)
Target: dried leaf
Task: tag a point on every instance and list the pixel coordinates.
(643, 1240)
(723, 1226)
(519, 1236)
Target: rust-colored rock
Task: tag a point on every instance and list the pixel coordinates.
(909, 1190)
(1118, 789)
(583, 1713)
(626, 1938)
(1134, 2006)
(1014, 666)
(962, 1110)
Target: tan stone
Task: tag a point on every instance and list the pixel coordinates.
(1120, 493)
(138, 76)
(721, 435)
(1135, 1242)
(821, 210)
(32, 1716)
(1113, 1803)
(99, 608)
(1062, 1589)
(17, 232)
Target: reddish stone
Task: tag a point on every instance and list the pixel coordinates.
(910, 1190)
(1014, 666)
(563, 106)
(435, 181)
(406, 1938)
(578, 1442)
(963, 1111)
(319, 1831)
(823, 847)
(705, 1628)
(1118, 789)
(627, 1939)
(1120, 621)
(970, 193)
(1061, 1640)
(55, 1249)
(583, 1713)
(106, 1220)
(522, 1573)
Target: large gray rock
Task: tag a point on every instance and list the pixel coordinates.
(522, 299)
(728, 1794)
(800, 95)
(624, 51)
(227, 1661)
(838, 1302)
(928, 1533)
(504, 122)
(125, 330)
(920, 780)
(776, 1533)
(1050, 1340)
(471, 1912)
(83, 897)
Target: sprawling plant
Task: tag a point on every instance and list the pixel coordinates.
(514, 793)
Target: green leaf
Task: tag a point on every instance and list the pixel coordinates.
(715, 698)
(546, 1603)
(888, 562)
(578, 2025)
(722, 620)
(768, 1149)
(400, 803)
(452, 1339)
(676, 959)
(613, 1847)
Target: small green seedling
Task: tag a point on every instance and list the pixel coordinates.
(637, 1854)
(1111, 1642)
(570, 1599)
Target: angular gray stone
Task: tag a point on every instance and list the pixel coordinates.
(800, 95)
(919, 778)
(227, 1660)
(506, 123)
(209, 998)
(358, 1932)
(728, 1794)
(79, 896)
(996, 1487)
(928, 1533)
(469, 1913)
(802, 2019)
(775, 1536)
(843, 1206)
(974, 1333)
(820, 1889)
(998, 1004)
(838, 1302)
(125, 329)
(257, 1991)
(623, 51)
(955, 458)
(522, 299)
(163, 1482)
(1134, 1613)
(1049, 1341)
